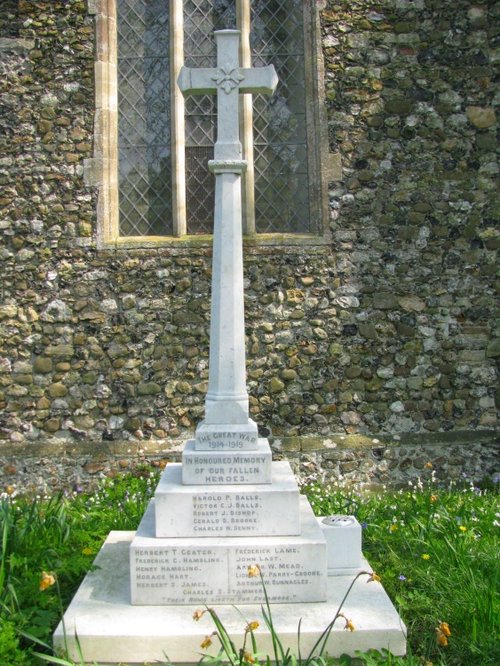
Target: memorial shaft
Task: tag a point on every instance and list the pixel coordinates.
(226, 403)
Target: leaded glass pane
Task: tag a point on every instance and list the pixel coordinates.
(144, 154)
(280, 147)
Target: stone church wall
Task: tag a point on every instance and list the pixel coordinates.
(390, 330)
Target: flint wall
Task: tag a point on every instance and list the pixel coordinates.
(389, 330)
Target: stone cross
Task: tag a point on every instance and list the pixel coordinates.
(227, 424)
(228, 80)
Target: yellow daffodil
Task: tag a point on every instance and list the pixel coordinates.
(426, 556)
(441, 639)
(248, 658)
(253, 571)
(443, 632)
(252, 626)
(374, 578)
(433, 498)
(46, 581)
(444, 628)
(462, 528)
(206, 642)
(428, 465)
(349, 625)
(198, 614)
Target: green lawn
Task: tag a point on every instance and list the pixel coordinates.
(434, 548)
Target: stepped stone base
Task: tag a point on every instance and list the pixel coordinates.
(111, 631)
(252, 510)
(213, 570)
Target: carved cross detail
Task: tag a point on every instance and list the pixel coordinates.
(228, 80)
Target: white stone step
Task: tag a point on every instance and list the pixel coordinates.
(233, 510)
(226, 467)
(213, 570)
(109, 630)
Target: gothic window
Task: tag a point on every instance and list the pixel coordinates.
(163, 142)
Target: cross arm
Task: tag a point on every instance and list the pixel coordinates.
(248, 80)
(259, 80)
(196, 81)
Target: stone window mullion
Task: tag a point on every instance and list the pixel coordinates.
(178, 124)
(101, 171)
(247, 123)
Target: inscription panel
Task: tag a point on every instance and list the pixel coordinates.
(183, 571)
(226, 441)
(232, 510)
(224, 467)
(227, 514)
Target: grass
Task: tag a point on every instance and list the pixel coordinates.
(435, 549)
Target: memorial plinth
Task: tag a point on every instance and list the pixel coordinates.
(108, 629)
(227, 495)
(220, 466)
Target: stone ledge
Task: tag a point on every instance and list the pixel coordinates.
(357, 461)
(318, 443)
(298, 444)
(254, 243)
(91, 448)
(453, 438)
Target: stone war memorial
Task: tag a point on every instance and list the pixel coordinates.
(226, 507)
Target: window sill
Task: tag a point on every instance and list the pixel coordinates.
(255, 242)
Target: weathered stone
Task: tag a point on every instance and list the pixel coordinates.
(276, 385)
(384, 301)
(481, 117)
(350, 418)
(23, 379)
(8, 311)
(52, 425)
(60, 351)
(493, 349)
(412, 303)
(42, 365)
(148, 388)
(94, 467)
(184, 387)
(398, 106)
(367, 331)
(57, 390)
